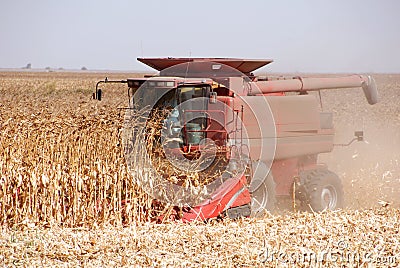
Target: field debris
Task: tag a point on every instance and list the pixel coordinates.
(349, 238)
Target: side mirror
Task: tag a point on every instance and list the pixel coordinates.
(359, 135)
(97, 94)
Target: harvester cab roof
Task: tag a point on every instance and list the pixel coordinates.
(209, 67)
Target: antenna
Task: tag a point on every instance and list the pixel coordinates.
(187, 66)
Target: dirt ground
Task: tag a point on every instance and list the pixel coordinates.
(365, 233)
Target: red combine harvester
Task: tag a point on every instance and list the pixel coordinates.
(266, 134)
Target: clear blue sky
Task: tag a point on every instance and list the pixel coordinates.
(304, 36)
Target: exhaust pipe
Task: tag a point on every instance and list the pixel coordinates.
(300, 84)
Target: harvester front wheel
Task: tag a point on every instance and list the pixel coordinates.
(263, 197)
(324, 191)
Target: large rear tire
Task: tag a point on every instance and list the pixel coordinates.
(263, 197)
(322, 190)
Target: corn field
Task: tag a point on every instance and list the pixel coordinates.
(67, 197)
(61, 157)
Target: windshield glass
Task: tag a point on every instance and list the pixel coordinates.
(161, 97)
(190, 92)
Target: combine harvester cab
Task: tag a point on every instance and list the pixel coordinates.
(264, 135)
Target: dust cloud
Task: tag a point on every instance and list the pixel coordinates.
(370, 170)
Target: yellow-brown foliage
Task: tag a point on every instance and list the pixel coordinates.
(61, 159)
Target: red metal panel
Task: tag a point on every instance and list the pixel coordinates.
(217, 203)
(284, 172)
(242, 65)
